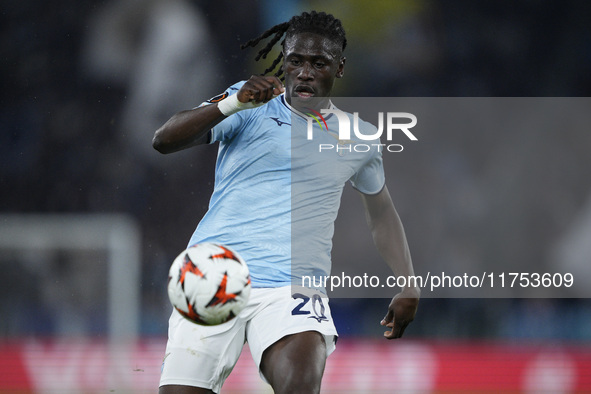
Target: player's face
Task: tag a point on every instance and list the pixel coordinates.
(311, 64)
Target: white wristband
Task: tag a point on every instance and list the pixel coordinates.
(230, 105)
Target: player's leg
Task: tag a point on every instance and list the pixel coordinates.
(295, 363)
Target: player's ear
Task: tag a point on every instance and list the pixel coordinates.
(341, 68)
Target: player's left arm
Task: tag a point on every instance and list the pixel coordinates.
(388, 235)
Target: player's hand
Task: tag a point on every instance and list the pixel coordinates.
(260, 89)
(401, 312)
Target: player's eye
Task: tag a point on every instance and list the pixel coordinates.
(318, 64)
(294, 62)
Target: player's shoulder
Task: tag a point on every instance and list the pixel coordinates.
(228, 92)
(236, 87)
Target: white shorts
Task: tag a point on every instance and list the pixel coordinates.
(203, 356)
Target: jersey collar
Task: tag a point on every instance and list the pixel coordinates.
(301, 114)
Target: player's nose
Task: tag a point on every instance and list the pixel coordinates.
(306, 72)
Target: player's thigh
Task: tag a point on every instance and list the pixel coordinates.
(295, 361)
(294, 331)
(284, 311)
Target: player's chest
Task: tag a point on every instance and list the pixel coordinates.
(284, 142)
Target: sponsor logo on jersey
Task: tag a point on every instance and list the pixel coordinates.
(280, 122)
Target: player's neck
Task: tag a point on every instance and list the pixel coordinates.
(304, 106)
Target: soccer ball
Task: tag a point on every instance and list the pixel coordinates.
(208, 284)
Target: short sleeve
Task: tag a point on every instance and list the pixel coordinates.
(370, 178)
(228, 127)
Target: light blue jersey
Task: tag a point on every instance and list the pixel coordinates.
(276, 196)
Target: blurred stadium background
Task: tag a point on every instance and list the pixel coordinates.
(91, 217)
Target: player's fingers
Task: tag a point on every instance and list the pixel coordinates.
(263, 93)
(267, 88)
(247, 93)
(388, 334)
(254, 93)
(387, 320)
(254, 90)
(263, 88)
(278, 86)
(269, 93)
(397, 330)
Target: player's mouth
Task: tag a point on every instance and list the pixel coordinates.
(304, 91)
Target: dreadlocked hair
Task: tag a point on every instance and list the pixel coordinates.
(320, 23)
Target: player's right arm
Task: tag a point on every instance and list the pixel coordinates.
(189, 128)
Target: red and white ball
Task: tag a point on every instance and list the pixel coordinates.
(209, 284)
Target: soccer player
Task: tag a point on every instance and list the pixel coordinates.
(265, 202)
